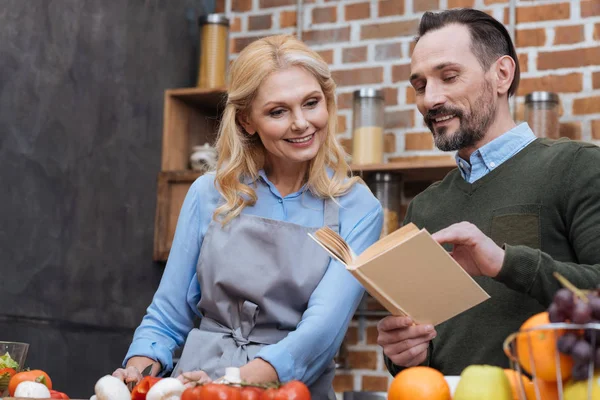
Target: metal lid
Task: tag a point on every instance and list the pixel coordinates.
(213, 19)
(386, 177)
(368, 92)
(541, 97)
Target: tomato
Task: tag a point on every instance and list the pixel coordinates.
(7, 371)
(140, 390)
(35, 375)
(251, 393)
(294, 390)
(194, 393)
(269, 394)
(54, 394)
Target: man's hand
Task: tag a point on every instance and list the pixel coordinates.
(403, 342)
(475, 252)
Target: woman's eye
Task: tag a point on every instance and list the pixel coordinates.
(312, 103)
(277, 113)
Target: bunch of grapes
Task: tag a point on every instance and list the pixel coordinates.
(582, 346)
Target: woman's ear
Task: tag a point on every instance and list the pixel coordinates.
(505, 72)
(246, 124)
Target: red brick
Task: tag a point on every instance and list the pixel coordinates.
(260, 22)
(426, 5)
(569, 58)
(344, 101)
(596, 80)
(391, 96)
(351, 336)
(418, 141)
(523, 62)
(543, 12)
(341, 124)
(597, 32)
(530, 37)
(390, 7)
(410, 95)
(354, 54)
(362, 359)
(555, 83)
(241, 5)
(240, 43)
(461, 3)
(388, 51)
(374, 383)
(287, 19)
(590, 8)
(236, 24)
(372, 335)
(389, 29)
(568, 34)
(596, 129)
(343, 383)
(400, 72)
(358, 76)
(389, 143)
(587, 105)
(220, 6)
(327, 55)
(399, 119)
(357, 11)
(323, 15)
(326, 36)
(411, 47)
(571, 130)
(347, 145)
(276, 3)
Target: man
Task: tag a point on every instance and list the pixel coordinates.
(517, 208)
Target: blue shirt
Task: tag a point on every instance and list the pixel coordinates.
(494, 153)
(305, 352)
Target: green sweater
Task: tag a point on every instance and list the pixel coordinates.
(543, 207)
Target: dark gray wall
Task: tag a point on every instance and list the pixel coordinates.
(81, 102)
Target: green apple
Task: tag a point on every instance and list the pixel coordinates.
(578, 390)
(483, 382)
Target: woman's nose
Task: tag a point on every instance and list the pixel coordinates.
(300, 124)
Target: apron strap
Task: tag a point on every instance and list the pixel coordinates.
(332, 214)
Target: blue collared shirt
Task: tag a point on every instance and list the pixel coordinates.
(494, 153)
(304, 353)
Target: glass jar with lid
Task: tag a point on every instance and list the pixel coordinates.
(214, 51)
(542, 113)
(387, 187)
(367, 126)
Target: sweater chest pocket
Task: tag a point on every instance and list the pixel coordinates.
(517, 225)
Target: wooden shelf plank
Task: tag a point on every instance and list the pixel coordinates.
(408, 164)
(199, 97)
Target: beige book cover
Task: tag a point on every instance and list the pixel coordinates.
(409, 273)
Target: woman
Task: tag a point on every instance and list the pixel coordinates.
(269, 299)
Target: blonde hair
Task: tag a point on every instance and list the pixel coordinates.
(242, 156)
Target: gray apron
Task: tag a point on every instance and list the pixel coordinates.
(256, 276)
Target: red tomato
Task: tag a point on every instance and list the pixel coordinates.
(269, 394)
(194, 393)
(215, 391)
(251, 393)
(54, 394)
(7, 371)
(294, 390)
(140, 390)
(35, 375)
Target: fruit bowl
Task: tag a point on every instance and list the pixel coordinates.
(18, 353)
(556, 361)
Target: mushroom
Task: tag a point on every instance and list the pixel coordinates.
(110, 388)
(32, 390)
(166, 389)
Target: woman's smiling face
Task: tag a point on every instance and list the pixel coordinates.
(290, 116)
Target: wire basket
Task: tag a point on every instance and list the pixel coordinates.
(556, 329)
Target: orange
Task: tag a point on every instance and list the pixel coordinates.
(548, 390)
(537, 350)
(513, 378)
(419, 383)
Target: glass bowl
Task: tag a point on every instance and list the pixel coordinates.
(18, 352)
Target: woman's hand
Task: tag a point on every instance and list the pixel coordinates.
(132, 371)
(190, 379)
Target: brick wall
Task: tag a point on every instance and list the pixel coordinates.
(368, 43)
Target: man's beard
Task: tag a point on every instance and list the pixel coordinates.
(473, 126)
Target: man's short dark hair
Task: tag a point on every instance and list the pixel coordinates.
(489, 38)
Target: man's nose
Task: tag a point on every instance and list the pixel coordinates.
(434, 97)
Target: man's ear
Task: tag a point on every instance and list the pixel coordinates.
(505, 72)
(244, 120)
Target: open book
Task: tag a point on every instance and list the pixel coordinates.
(409, 273)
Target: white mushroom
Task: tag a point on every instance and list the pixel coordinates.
(166, 389)
(110, 388)
(32, 390)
